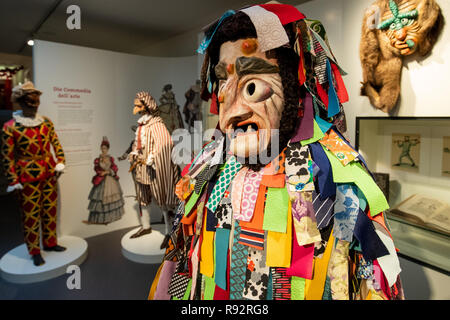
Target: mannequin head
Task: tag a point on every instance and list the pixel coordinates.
(104, 149)
(257, 92)
(104, 146)
(28, 98)
(144, 103)
(139, 107)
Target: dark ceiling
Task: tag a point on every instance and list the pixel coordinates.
(124, 26)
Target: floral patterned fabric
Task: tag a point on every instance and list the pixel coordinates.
(339, 147)
(338, 271)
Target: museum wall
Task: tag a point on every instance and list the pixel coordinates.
(108, 82)
(424, 80)
(424, 92)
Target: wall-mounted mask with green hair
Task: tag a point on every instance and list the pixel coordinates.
(403, 28)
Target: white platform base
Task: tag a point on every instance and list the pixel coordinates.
(17, 265)
(144, 249)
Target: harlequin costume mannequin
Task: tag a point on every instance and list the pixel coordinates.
(32, 171)
(308, 222)
(106, 200)
(150, 159)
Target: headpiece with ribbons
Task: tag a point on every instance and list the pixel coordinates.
(318, 70)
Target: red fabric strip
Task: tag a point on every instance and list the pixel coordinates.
(322, 93)
(214, 108)
(285, 12)
(341, 89)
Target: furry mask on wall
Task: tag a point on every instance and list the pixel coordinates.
(393, 29)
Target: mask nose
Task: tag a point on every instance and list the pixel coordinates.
(239, 113)
(400, 34)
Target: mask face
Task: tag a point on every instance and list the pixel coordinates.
(138, 107)
(402, 27)
(250, 96)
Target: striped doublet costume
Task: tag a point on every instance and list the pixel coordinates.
(157, 178)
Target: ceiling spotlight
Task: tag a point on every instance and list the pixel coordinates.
(30, 42)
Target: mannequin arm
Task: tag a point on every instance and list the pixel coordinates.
(7, 153)
(57, 147)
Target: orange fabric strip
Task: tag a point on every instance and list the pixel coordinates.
(258, 216)
(188, 220)
(274, 181)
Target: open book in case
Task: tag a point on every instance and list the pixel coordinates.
(410, 159)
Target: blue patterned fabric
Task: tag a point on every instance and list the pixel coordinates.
(238, 265)
(346, 211)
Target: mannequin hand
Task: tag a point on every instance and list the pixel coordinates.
(150, 161)
(16, 187)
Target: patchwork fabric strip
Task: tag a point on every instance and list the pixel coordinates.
(321, 61)
(305, 225)
(225, 178)
(236, 195)
(338, 271)
(200, 213)
(257, 276)
(249, 194)
(339, 147)
(252, 238)
(298, 165)
(323, 209)
(346, 211)
(320, 247)
(324, 178)
(201, 180)
(238, 265)
(222, 241)
(371, 245)
(365, 269)
(224, 215)
(269, 30)
(281, 284)
(178, 285)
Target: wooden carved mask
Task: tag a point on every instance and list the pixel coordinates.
(250, 96)
(391, 30)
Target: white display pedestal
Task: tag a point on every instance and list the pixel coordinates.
(17, 265)
(144, 249)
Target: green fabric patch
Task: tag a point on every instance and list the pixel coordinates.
(276, 210)
(318, 134)
(354, 172)
(297, 288)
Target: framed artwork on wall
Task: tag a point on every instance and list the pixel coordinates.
(405, 151)
(410, 160)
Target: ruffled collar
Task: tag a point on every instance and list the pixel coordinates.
(145, 119)
(26, 121)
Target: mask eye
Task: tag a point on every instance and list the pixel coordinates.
(392, 26)
(256, 90)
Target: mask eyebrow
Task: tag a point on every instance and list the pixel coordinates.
(221, 71)
(249, 65)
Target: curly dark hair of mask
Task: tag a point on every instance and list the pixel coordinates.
(239, 26)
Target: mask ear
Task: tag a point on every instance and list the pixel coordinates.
(431, 23)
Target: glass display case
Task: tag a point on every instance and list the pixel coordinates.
(410, 158)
